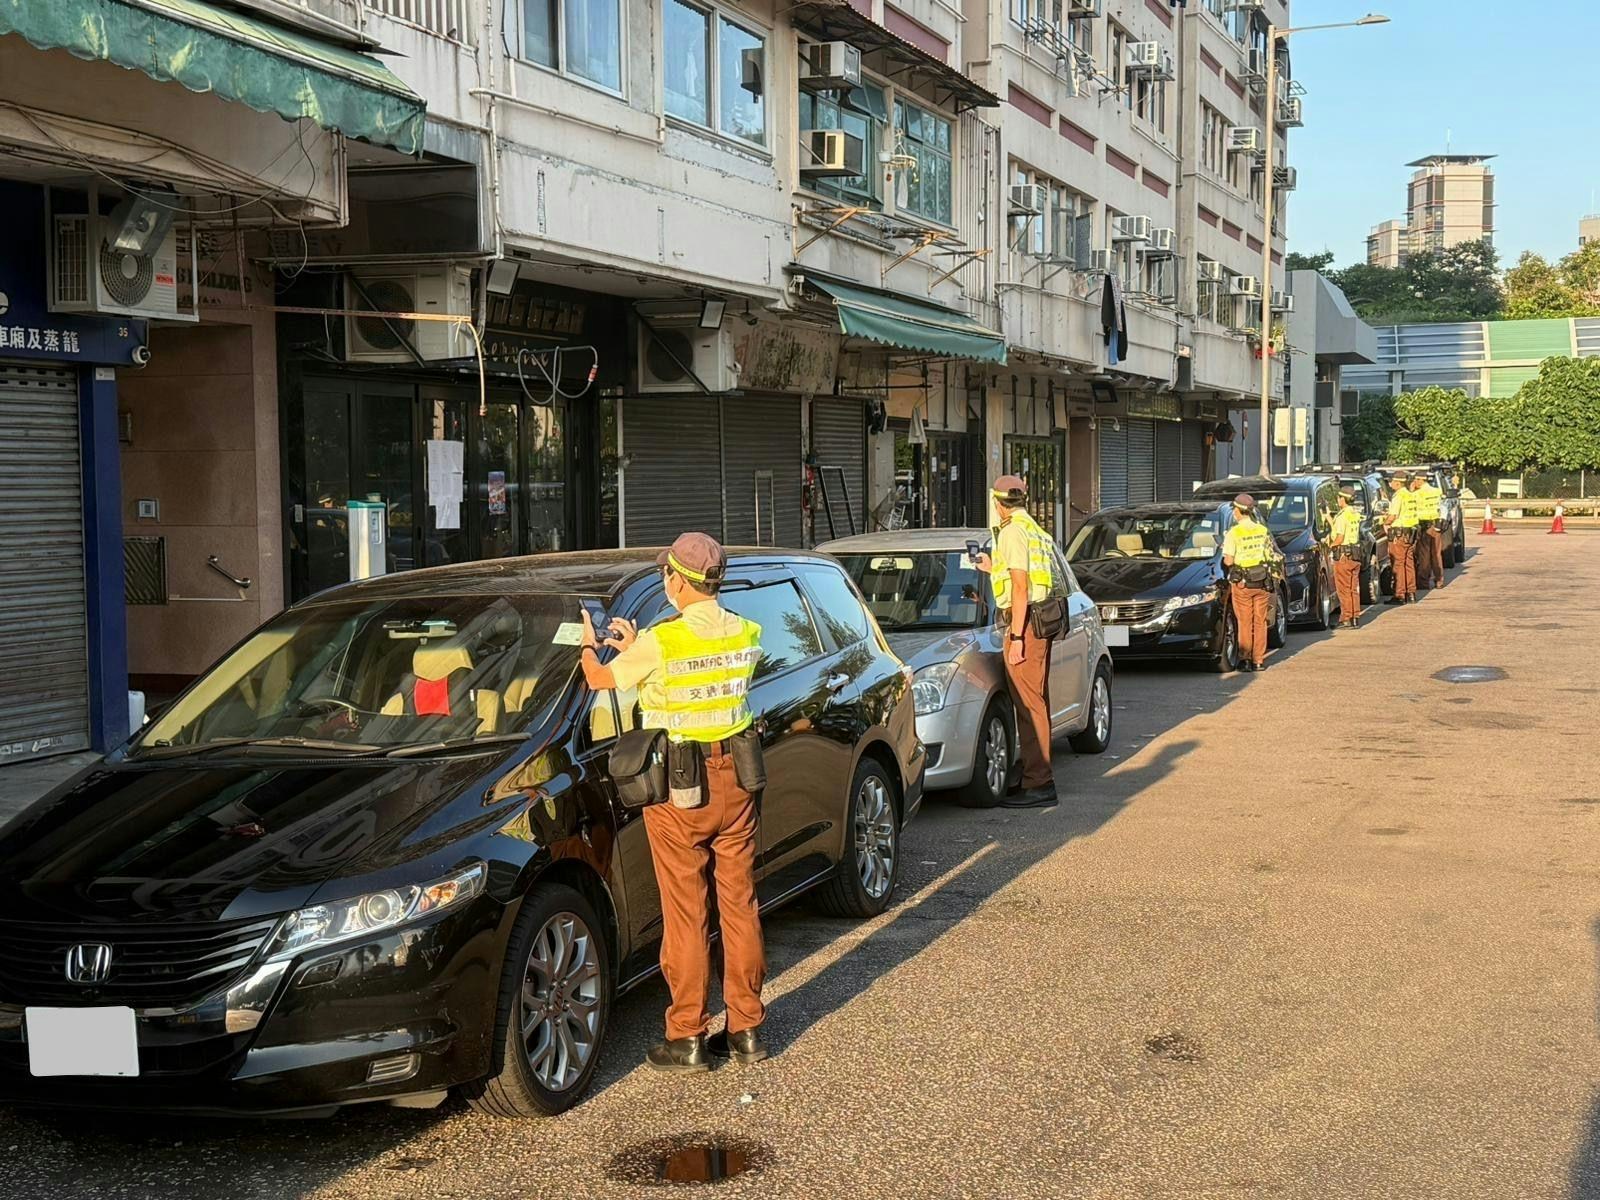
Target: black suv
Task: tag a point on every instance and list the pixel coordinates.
(375, 854)
(1294, 508)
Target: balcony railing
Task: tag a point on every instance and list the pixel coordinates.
(453, 19)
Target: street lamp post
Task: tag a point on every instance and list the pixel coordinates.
(1268, 195)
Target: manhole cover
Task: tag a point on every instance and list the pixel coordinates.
(688, 1158)
(1469, 674)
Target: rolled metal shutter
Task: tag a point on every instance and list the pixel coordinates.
(44, 643)
(1169, 460)
(1113, 465)
(762, 458)
(839, 439)
(673, 479)
(1141, 461)
(1194, 455)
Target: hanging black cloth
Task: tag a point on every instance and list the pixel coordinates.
(1114, 320)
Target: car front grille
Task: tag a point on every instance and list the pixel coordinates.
(152, 966)
(1128, 612)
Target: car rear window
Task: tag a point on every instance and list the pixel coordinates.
(838, 607)
(788, 634)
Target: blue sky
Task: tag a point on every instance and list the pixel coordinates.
(1517, 79)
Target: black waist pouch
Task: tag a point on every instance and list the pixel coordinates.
(1257, 576)
(749, 764)
(1048, 617)
(638, 767)
(686, 774)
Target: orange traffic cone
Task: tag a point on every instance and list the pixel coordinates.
(1488, 522)
(1559, 525)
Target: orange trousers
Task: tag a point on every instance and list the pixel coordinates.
(1250, 612)
(1347, 581)
(1402, 554)
(684, 842)
(1030, 691)
(1430, 558)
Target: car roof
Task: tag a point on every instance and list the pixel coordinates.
(576, 573)
(1255, 485)
(912, 540)
(1162, 508)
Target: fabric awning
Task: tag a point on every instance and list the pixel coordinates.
(211, 49)
(910, 324)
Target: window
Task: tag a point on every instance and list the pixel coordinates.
(575, 37)
(788, 636)
(1117, 40)
(926, 189)
(1122, 258)
(839, 608)
(1150, 101)
(714, 72)
(1055, 233)
(863, 112)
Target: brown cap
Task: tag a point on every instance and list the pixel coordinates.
(1244, 500)
(1013, 489)
(698, 557)
(1349, 493)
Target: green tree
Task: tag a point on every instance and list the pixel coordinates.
(1560, 410)
(1309, 262)
(1536, 288)
(1374, 434)
(1458, 283)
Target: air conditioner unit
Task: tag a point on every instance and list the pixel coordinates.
(1210, 271)
(1255, 67)
(1085, 8)
(1244, 139)
(1291, 112)
(124, 262)
(1029, 199)
(828, 152)
(1100, 262)
(1285, 179)
(1282, 302)
(1150, 58)
(1244, 285)
(829, 66)
(1130, 229)
(1163, 243)
(445, 291)
(673, 351)
(1246, 6)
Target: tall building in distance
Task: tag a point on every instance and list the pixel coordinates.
(1450, 200)
(1588, 230)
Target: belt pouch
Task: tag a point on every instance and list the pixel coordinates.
(749, 764)
(686, 772)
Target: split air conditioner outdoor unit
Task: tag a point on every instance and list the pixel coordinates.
(1150, 58)
(1244, 285)
(1029, 199)
(1085, 8)
(829, 66)
(1247, 6)
(673, 351)
(441, 291)
(1244, 139)
(830, 152)
(1282, 302)
(1255, 69)
(1210, 271)
(1291, 112)
(1285, 179)
(120, 257)
(1100, 262)
(1130, 229)
(1163, 243)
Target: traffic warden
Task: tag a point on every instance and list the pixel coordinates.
(1025, 578)
(693, 673)
(1401, 522)
(1430, 542)
(1248, 553)
(1345, 537)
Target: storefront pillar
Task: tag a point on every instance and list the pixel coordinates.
(102, 559)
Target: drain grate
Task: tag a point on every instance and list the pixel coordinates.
(1469, 675)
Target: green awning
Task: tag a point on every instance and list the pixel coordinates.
(210, 49)
(911, 324)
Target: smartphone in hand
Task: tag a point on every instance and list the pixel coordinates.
(597, 618)
(974, 549)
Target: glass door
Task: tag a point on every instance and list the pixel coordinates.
(547, 469)
(386, 465)
(1042, 465)
(496, 487)
(946, 486)
(444, 440)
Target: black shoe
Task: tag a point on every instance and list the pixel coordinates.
(1395, 600)
(679, 1055)
(1036, 797)
(1260, 666)
(1246, 667)
(745, 1046)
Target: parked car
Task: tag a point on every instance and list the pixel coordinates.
(1155, 571)
(935, 608)
(374, 853)
(1372, 498)
(1294, 509)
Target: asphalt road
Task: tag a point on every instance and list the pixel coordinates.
(1329, 931)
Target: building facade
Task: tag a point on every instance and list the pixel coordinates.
(1482, 358)
(1588, 230)
(1449, 201)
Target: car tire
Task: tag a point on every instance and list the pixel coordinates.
(1325, 603)
(1227, 658)
(867, 874)
(1096, 735)
(991, 760)
(559, 938)
(1371, 582)
(1278, 631)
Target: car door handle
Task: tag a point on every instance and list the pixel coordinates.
(837, 681)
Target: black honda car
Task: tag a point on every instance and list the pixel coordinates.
(374, 854)
(1155, 573)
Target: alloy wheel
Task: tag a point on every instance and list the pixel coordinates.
(875, 836)
(996, 755)
(1100, 713)
(561, 992)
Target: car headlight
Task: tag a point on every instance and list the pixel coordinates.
(1194, 599)
(327, 924)
(930, 686)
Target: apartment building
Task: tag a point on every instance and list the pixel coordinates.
(1588, 230)
(1388, 245)
(1449, 200)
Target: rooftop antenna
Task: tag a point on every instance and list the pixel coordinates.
(1448, 137)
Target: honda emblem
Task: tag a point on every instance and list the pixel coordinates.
(89, 963)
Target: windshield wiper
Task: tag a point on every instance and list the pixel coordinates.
(448, 745)
(289, 743)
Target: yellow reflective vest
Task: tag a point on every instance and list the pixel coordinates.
(1428, 497)
(1403, 505)
(1347, 527)
(706, 682)
(1040, 565)
(1246, 543)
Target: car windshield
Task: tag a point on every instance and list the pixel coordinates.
(1285, 511)
(1160, 535)
(936, 589)
(376, 676)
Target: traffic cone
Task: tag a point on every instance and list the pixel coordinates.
(1559, 525)
(1488, 522)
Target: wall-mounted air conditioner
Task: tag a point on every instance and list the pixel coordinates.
(1291, 112)
(1029, 199)
(1130, 229)
(1085, 8)
(829, 66)
(1244, 139)
(1285, 179)
(1163, 243)
(1209, 271)
(1100, 262)
(1247, 6)
(1244, 285)
(440, 291)
(120, 257)
(1151, 59)
(673, 351)
(1255, 65)
(831, 152)
(1282, 302)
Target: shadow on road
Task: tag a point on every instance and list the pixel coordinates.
(1586, 1166)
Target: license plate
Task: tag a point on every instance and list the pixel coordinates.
(82, 1041)
(1116, 635)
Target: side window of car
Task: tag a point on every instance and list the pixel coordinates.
(838, 607)
(788, 635)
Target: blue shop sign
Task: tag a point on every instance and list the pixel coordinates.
(28, 329)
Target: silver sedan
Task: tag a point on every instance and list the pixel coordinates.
(934, 607)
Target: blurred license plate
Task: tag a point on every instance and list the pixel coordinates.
(1116, 635)
(82, 1041)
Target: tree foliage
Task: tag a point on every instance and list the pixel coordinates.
(1459, 283)
(1536, 288)
(1373, 434)
(1309, 262)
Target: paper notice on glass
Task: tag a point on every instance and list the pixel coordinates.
(446, 515)
(446, 460)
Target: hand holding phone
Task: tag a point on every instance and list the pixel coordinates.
(598, 621)
(974, 549)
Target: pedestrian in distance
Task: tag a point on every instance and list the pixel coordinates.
(693, 674)
(1344, 536)
(1247, 555)
(1027, 589)
(1401, 522)
(1430, 542)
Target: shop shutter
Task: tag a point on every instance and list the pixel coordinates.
(1169, 460)
(839, 439)
(1194, 455)
(762, 457)
(1141, 461)
(44, 649)
(1113, 465)
(672, 481)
